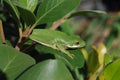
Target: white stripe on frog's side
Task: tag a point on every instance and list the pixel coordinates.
(66, 44)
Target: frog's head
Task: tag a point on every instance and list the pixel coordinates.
(75, 42)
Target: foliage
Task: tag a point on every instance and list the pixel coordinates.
(47, 46)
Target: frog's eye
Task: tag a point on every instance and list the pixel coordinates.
(77, 42)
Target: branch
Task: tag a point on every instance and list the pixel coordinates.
(58, 23)
(2, 32)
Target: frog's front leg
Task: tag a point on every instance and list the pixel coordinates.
(62, 48)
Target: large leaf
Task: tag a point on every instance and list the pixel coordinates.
(13, 62)
(47, 70)
(112, 71)
(27, 4)
(52, 10)
(28, 17)
(26, 8)
(76, 62)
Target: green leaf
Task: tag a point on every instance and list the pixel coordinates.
(28, 17)
(93, 62)
(13, 62)
(112, 71)
(47, 70)
(52, 10)
(26, 4)
(107, 59)
(76, 62)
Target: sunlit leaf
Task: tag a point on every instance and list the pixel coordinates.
(112, 71)
(52, 10)
(108, 59)
(101, 51)
(26, 4)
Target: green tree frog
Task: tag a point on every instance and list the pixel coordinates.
(57, 40)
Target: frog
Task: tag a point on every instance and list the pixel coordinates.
(57, 40)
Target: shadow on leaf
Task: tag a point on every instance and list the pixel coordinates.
(2, 76)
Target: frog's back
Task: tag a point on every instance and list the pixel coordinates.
(54, 33)
(46, 35)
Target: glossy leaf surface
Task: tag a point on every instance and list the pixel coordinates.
(47, 70)
(27, 4)
(112, 71)
(13, 62)
(52, 10)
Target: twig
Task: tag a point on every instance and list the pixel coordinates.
(58, 23)
(29, 48)
(23, 36)
(20, 39)
(2, 32)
